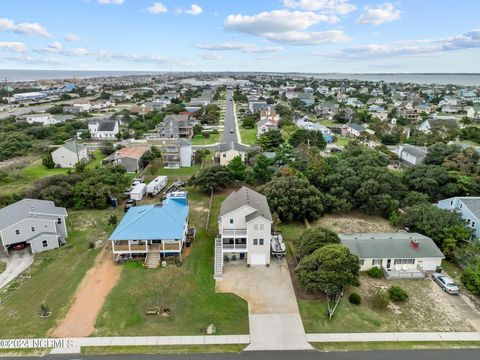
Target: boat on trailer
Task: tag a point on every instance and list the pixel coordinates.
(277, 246)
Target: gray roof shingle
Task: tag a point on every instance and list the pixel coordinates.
(24, 208)
(246, 196)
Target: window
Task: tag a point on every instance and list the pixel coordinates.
(224, 155)
(404, 261)
(255, 241)
(377, 262)
(17, 232)
(451, 203)
(262, 227)
(59, 220)
(473, 224)
(260, 242)
(362, 262)
(33, 228)
(231, 221)
(44, 243)
(255, 227)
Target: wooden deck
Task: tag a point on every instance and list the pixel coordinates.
(123, 247)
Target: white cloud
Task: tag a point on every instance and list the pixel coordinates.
(56, 45)
(115, 2)
(23, 28)
(72, 38)
(13, 46)
(468, 40)
(76, 52)
(157, 8)
(284, 26)
(332, 6)
(211, 56)
(194, 10)
(377, 15)
(245, 47)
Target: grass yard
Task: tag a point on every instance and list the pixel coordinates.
(52, 279)
(164, 350)
(183, 173)
(353, 222)
(398, 345)
(426, 310)
(248, 136)
(328, 123)
(3, 266)
(341, 140)
(187, 290)
(291, 231)
(201, 140)
(96, 160)
(37, 171)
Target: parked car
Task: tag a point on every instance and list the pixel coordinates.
(130, 203)
(19, 246)
(231, 131)
(445, 283)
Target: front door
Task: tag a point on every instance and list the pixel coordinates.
(389, 261)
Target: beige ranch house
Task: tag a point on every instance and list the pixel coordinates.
(398, 254)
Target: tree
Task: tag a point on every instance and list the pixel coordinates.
(48, 162)
(293, 198)
(438, 152)
(85, 135)
(328, 269)
(428, 179)
(308, 137)
(107, 148)
(237, 168)
(212, 178)
(262, 170)
(471, 277)
(248, 122)
(446, 228)
(271, 140)
(313, 239)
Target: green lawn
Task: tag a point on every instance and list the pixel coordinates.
(187, 290)
(328, 123)
(201, 140)
(341, 141)
(37, 171)
(397, 345)
(96, 160)
(248, 136)
(183, 173)
(170, 349)
(291, 231)
(54, 277)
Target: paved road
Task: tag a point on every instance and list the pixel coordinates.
(229, 125)
(288, 355)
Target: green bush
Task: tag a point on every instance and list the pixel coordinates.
(396, 293)
(379, 298)
(355, 299)
(375, 272)
(471, 277)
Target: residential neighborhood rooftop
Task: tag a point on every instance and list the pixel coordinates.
(247, 197)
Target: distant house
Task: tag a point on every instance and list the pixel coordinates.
(266, 125)
(256, 106)
(130, 158)
(227, 151)
(104, 129)
(70, 153)
(353, 130)
(411, 154)
(307, 99)
(177, 126)
(176, 153)
(153, 231)
(398, 254)
(269, 114)
(438, 123)
(244, 228)
(468, 207)
(44, 119)
(38, 223)
(326, 109)
(305, 123)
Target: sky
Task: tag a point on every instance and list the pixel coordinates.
(322, 36)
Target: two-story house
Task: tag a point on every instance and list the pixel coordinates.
(176, 132)
(244, 230)
(104, 129)
(468, 207)
(38, 223)
(70, 153)
(411, 154)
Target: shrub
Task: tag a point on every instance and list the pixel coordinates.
(380, 299)
(112, 219)
(355, 299)
(375, 272)
(396, 293)
(471, 277)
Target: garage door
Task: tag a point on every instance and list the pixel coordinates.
(429, 265)
(258, 259)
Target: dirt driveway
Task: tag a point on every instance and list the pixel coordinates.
(89, 298)
(275, 321)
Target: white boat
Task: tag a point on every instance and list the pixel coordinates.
(277, 246)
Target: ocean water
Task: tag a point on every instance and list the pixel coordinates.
(442, 79)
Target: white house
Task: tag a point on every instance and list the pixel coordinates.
(411, 154)
(244, 230)
(398, 254)
(38, 223)
(228, 151)
(266, 125)
(70, 153)
(468, 207)
(104, 129)
(44, 119)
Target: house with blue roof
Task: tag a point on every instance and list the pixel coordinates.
(153, 231)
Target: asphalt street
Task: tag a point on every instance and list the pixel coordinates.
(456, 354)
(228, 136)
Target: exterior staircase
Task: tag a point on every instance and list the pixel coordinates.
(153, 260)
(218, 259)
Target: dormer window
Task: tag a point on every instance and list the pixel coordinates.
(59, 220)
(231, 221)
(33, 228)
(17, 232)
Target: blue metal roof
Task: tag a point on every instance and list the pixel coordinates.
(154, 222)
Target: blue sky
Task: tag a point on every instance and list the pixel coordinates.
(242, 35)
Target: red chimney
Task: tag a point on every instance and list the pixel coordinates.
(414, 244)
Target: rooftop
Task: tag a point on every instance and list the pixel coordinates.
(249, 197)
(24, 208)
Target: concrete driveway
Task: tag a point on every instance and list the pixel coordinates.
(275, 322)
(17, 262)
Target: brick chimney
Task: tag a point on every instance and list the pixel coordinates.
(414, 245)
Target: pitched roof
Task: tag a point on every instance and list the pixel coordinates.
(246, 196)
(473, 204)
(390, 245)
(106, 125)
(73, 146)
(357, 127)
(154, 222)
(415, 150)
(232, 146)
(24, 208)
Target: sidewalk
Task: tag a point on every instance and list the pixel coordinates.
(394, 337)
